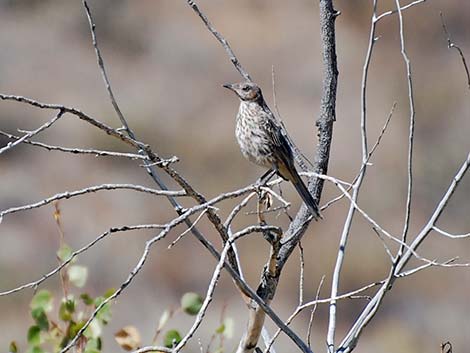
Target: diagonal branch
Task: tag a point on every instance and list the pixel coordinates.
(30, 134)
(221, 40)
(154, 159)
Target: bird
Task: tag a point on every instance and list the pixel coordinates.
(262, 140)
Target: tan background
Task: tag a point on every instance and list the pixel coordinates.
(167, 72)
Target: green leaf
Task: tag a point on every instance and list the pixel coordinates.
(70, 305)
(87, 300)
(13, 347)
(191, 303)
(172, 338)
(109, 292)
(67, 308)
(35, 349)
(40, 318)
(104, 315)
(92, 350)
(42, 299)
(220, 329)
(75, 327)
(93, 345)
(77, 275)
(64, 252)
(34, 336)
(93, 330)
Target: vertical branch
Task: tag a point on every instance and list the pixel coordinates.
(328, 102)
(411, 129)
(356, 187)
(268, 285)
(324, 124)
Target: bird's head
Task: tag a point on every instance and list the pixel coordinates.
(246, 91)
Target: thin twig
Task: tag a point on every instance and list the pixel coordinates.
(356, 188)
(312, 312)
(449, 235)
(221, 40)
(91, 189)
(36, 283)
(302, 273)
(30, 134)
(369, 156)
(174, 242)
(451, 44)
(94, 152)
(411, 128)
(352, 337)
(392, 12)
(215, 277)
(103, 71)
(155, 160)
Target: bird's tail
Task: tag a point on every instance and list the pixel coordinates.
(305, 194)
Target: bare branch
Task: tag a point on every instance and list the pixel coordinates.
(221, 40)
(356, 188)
(411, 127)
(91, 189)
(216, 275)
(30, 134)
(94, 152)
(369, 156)
(350, 341)
(51, 273)
(392, 12)
(314, 309)
(123, 286)
(79, 114)
(103, 71)
(302, 274)
(174, 242)
(453, 236)
(451, 44)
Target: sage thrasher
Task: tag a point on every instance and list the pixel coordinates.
(262, 140)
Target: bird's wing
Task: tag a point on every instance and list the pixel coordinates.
(282, 151)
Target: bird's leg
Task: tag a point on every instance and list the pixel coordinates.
(263, 179)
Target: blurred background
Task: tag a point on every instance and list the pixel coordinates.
(167, 70)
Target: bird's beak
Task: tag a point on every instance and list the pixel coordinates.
(229, 86)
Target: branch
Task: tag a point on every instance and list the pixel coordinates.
(392, 12)
(70, 194)
(154, 159)
(411, 127)
(324, 124)
(350, 341)
(30, 134)
(451, 45)
(95, 152)
(103, 72)
(356, 188)
(452, 236)
(221, 40)
(51, 273)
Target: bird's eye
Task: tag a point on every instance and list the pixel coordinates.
(246, 88)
